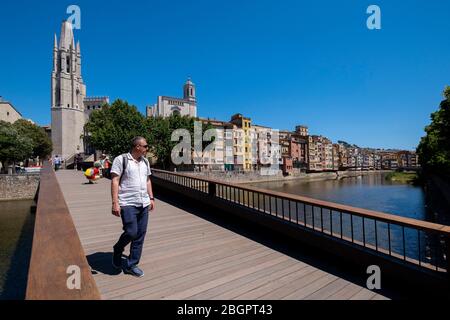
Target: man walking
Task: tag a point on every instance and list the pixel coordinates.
(57, 162)
(132, 198)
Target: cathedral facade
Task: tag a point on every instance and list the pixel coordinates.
(166, 106)
(70, 108)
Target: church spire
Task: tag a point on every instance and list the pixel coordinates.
(55, 45)
(66, 38)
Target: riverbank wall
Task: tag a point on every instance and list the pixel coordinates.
(255, 176)
(18, 187)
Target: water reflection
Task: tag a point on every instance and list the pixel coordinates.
(372, 192)
(16, 233)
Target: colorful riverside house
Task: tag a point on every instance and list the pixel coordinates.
(266, 150)
(243, 142)
(299, 148)
(286, 148)
(217, 157)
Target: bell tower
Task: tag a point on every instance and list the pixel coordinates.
(189, 91)
(67, 95)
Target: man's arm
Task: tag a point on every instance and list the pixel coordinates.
(115, 195)
(150, 193)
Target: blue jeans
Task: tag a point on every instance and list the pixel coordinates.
(134, 220)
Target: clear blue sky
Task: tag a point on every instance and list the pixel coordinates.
(281, 63)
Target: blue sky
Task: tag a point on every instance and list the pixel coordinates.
(281, 63)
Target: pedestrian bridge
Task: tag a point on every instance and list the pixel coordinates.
(212, 240)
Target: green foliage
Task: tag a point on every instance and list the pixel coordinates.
(446, 92)
(161, 130)
(434, 148)
(402, 177)
(14, 147)
(112, 128)
(41, 143)
(346, 144)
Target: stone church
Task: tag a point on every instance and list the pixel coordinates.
(70, 108)
(166, 106)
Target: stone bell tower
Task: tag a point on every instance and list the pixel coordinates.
(67, 95)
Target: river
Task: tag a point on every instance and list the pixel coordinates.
(373, 192)
(370, 191)
(16, 235)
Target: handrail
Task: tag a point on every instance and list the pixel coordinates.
(58, 260)
(382, 216)
(384, 233)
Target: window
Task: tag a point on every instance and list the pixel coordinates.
(68, 64)
(7, 113)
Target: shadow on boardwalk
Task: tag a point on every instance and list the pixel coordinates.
(102, 262)
(276, 241)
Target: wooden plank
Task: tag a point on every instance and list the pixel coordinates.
(297, 284)
(188, 257)
(272, 286)
(364, 294)
(328, 290)
(305, 291)
(56, 247)
(184, 282)
(234, 293)
(221, 280)
(169, 271)
(346, 293)
(242, 281)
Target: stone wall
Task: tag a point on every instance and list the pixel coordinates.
(18, 187)
(255, 176)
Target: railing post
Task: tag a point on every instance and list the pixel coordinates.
(211, 189)
(447, 255)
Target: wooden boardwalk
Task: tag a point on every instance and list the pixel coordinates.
(188, 257)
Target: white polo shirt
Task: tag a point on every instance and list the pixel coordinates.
(133, 187)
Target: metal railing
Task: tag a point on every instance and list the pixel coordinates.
(420, 243)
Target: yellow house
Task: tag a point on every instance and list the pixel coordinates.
(243, 142)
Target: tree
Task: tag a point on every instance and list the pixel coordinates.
(13, 146)
(160, 133)
(434, 147)
(41, 143)
(113, 127)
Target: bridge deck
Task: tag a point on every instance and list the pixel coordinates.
(188, 257)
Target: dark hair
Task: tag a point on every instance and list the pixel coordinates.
(135, 141)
